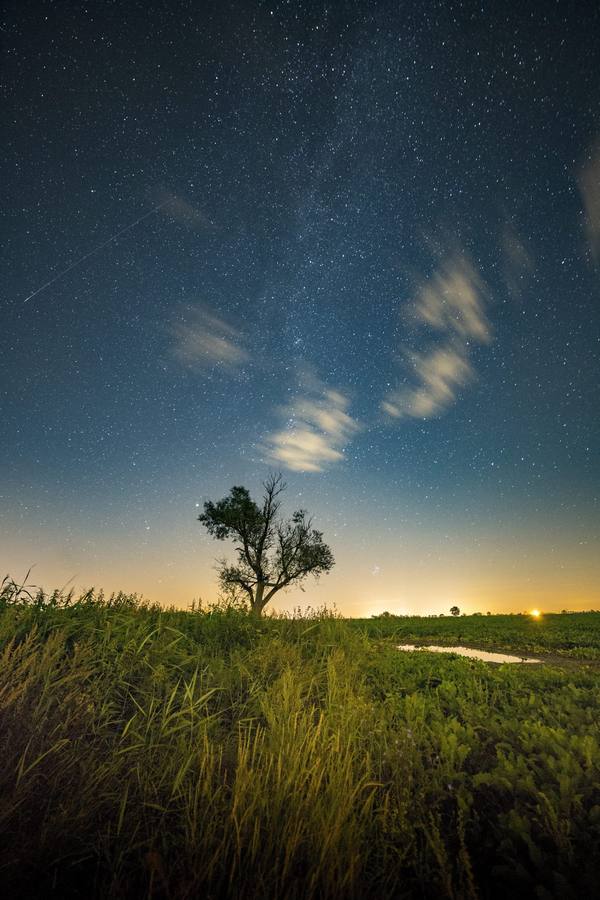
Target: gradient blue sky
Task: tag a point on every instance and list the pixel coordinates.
(373, 263)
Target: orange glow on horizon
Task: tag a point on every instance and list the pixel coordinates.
(169, 564)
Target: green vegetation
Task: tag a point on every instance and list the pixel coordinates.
(575, 635)
(160, 753)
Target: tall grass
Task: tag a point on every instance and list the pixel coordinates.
(161, 753)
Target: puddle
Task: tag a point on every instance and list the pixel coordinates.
(485, 655)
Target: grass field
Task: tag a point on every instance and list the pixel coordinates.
(169, 754)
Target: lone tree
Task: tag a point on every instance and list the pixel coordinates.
(454, 611)
(271, 553)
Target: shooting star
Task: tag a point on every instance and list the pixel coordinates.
(96, 250)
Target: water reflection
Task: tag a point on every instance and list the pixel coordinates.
(485, 655)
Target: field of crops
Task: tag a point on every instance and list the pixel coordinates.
(170, 754)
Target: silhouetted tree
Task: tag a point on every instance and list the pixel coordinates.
(271, 554)
(454, 611)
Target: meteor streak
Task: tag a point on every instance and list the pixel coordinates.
(95, 250)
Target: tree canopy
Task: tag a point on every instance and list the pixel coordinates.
(272, 553)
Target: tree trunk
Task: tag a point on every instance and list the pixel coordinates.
(258, 603)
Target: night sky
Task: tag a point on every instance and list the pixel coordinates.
(366, 252)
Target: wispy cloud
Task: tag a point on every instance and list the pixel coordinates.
(452, 305)
(202, 339)
(316, 431)
(452, 300)
(589, 186)
(182, 211)
(439, 375)
(517, 262)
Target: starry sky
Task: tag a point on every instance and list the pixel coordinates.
(355, 242)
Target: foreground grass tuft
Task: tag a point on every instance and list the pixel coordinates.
(160, 753)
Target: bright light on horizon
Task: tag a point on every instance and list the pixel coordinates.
(535, 613)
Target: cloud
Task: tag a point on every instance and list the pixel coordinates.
(517, 263)
(439, 374)
(589, 186)
(453, 301)
(317, 429)
(182, 211)
(203, 340)
(452, 304)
